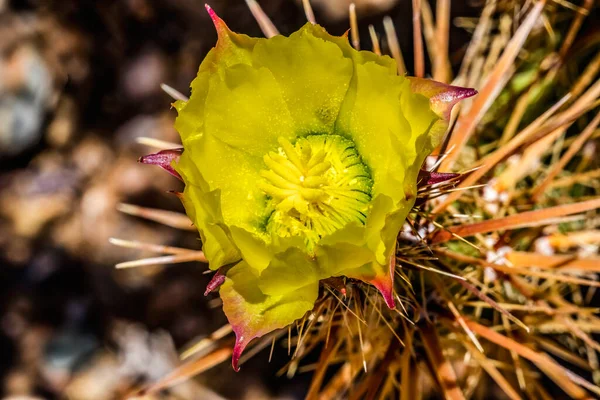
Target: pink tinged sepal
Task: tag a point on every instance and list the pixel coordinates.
(232, 48)
(220, 25)
(253, 314)
(442, 97)
(238, 349)
(431, 178)
(385, 284)
(164, 159)
(380, 276)
(215, 283)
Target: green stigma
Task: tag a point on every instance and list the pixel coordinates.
(315, 187)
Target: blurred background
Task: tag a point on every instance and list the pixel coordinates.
(79, 82)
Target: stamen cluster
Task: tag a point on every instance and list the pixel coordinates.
(315, 187)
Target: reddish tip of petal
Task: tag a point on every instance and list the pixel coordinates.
(238, 349)
(164, 159)
(386, 288)
(437, 177)
(216, 281)
(220, 25)
(385, 284)
(449, 96)
(213, 15)
(453, 94)
(431, 178)
(441, 95)
(211, 12)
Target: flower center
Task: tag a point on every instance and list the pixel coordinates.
(315, 187)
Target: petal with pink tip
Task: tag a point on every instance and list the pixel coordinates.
(431, 178)
(232, 48)
(216, 281)
(164, 159)
(442, 97)
(380, 276)
(253, 314)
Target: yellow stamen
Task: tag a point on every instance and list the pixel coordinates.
(315, 187)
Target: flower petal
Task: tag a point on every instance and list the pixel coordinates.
(294, 268)
(204, 209)
(372, 117)
(231, 49)
(215, 282)
(378, 275)
(431, 177)
(442, 97)
(245, 109)
(358, 57)
(383, 224)
(253, 314)
(241, 202)
(254, 250)
(333, 260)
(190, 114)
(164, 159)
(313, 75)
(289, 271)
